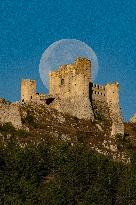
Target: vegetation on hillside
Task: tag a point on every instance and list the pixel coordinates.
(62, 174)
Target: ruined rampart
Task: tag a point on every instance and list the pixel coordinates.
(10, 113)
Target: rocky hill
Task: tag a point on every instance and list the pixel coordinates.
(50, 158)
(38, 123)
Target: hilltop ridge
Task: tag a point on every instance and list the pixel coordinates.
(41, 123)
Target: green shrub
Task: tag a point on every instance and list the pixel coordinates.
(29, 119)
(7, 127)
(134, 128)
(22, 133)
(123, 142)
(99, 116)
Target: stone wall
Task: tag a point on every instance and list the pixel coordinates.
(112, 97)
(98, 100)
(98, 92)
(10, 113)
(106, 105)
(78, 107)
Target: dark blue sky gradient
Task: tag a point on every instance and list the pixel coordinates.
(28, 27)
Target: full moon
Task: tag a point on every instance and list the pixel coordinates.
(65, 51)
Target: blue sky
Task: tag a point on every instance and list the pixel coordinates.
(27, 28)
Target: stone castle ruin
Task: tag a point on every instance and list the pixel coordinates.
(71, 91)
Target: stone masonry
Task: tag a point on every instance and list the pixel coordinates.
(105, 102)
(28, 90)
(76, 95)
(71, 91)
(10, 113)
(70, 86)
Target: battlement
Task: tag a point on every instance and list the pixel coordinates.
(98, 91)
(80, 64)
(108, 92)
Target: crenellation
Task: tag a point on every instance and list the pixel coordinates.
(98, 92)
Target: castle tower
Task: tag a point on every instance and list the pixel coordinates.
(70, 83)
(71, 80)
(112, 99)
(28, 90)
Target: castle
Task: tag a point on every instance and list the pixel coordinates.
(71, 91)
